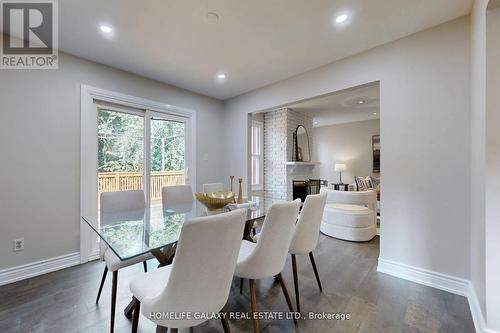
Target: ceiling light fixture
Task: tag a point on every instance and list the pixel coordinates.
(106, 29)
(315, 123)
(341, 18)
(361, 101)
(374, 113)
(220, 77)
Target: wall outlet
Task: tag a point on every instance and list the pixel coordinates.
(19, 244)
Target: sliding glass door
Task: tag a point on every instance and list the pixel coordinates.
(167, 154)
(140, 149)
(131, 143)
(120, 150)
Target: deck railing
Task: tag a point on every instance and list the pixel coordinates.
(123, 181)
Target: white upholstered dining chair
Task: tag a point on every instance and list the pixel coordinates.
(116, 204)
(213, 187)
(267, 257)
(176, 195)
(199, 279)
(306, 236)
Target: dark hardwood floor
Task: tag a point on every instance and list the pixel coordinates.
(64, 301)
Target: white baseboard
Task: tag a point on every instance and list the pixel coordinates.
(476, 311)
(94, 255)
(429, 278)
(441, 281)
(22, 272)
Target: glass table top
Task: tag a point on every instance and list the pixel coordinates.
(132, 233)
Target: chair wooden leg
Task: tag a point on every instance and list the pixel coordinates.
(102, 284)
(313, 263)
(129, 309)
(145, 264)
(113, 300)
(287, 296)
(224, 321)
(241, 285)
(295, 281)
(253, 304)
(137, 311)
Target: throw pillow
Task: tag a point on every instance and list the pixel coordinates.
(369, 183)
(366, 183)
(360, 183)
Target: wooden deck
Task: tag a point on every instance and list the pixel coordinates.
(123, 181)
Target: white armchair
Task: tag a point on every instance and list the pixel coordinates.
(350, 215)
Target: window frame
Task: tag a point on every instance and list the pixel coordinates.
(260, 126)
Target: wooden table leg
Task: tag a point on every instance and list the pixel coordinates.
(165, 255)
(248, 231)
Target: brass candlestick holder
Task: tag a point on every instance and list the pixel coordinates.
(240, 191)
(231, 179)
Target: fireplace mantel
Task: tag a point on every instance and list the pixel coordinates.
(301, 163)
(294, 165)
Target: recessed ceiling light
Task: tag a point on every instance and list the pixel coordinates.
(341, 18)
(315, 123)
(374, 113)
(220, 77)
(106, 28)
(361, 101)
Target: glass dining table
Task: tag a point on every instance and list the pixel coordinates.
(156, 229)
(136, 232)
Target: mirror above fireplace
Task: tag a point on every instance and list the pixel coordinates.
(301, 145)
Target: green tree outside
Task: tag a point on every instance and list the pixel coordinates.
(121, 143)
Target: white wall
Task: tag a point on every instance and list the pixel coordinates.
(40, 150)
(349, 143)
(477, 125)
(425, 103)
(485, 162)
(493, 170)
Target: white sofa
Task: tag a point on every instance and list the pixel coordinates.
(350, 215)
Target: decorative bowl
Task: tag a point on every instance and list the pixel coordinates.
(215, 200)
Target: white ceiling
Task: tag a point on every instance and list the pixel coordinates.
(255, 42)
(342, 107)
